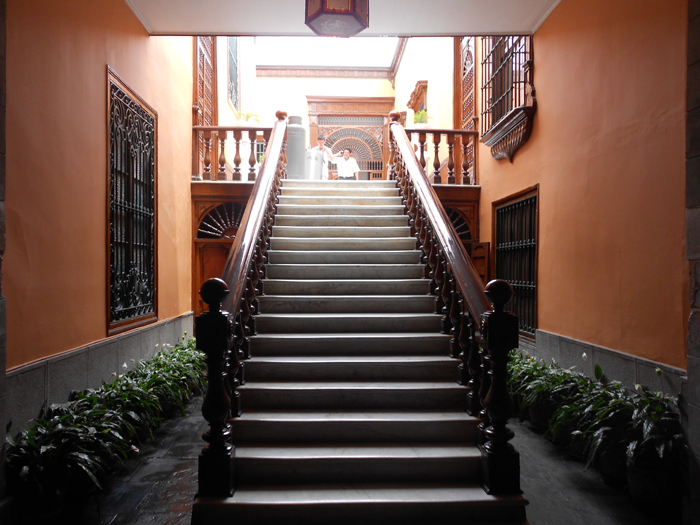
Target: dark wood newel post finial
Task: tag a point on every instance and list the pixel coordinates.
(499, 334)
(214, 333)
(395, 116)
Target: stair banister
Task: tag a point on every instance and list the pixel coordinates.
(222, 335)
(483, 336)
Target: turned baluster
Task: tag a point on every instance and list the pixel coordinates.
(422, 139)
(252, 135)
(446, 294)
(466, 179)
(391, 170)
(252, 302)
(473, 367)
(259, 261)
(245, 319)
(412, 212)
(466, 327)
(221, 175)
(456, 319)
(214, 337)
(439, 279)
(436, 160)
(237, 136)
(450, 158)
(206, 137)
(484, 390)
(501, 468)
(242, 352)
(432, 261)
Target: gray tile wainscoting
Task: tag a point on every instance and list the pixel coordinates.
(52, 380)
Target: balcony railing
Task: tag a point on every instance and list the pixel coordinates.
(454, 138)
(215, 139)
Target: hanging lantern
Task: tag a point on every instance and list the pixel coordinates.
(343, 18)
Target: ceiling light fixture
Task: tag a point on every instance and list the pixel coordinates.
(344, 18)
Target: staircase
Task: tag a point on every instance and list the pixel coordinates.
(351, 409)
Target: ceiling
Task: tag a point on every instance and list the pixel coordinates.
(386, 17)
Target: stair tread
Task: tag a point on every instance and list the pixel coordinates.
(400, 359)
(349, 315)
(357, 335)
(353, 450)
(368, 415)
(369, 492)
(352, 385)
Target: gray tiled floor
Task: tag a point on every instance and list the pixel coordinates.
(160, 488)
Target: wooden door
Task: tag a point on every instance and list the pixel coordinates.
(204, 108)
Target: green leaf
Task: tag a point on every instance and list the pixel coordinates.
(598, 372)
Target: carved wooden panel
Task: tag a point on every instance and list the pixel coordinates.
(210, 261)
(132, 279)
(217, 210)
(480, 254)
(358, 123)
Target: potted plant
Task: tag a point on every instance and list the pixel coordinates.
(421, 117)
(657, 452)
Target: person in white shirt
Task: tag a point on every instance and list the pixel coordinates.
(347, 166)
(327, 155)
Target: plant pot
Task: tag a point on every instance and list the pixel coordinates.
(613, 466)
(540, 414)
(654, 484)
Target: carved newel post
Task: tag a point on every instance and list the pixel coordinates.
(214, 333)
(499, 333)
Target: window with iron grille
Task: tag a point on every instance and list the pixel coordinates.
(507, 94)
(515, 226)
(132, 209)
(504, 71)
(233, 85)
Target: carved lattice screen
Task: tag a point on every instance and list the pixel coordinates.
(132, 208)
(363, 135)
(205, 113)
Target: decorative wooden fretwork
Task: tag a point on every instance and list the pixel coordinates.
(507, 94)
(460, 225)
(233, 83)
(221, 222)
(346, 120)
(204, 111)
(366, 115)
(364, 143)
(516, 254)
(132, 208)
(468, 107)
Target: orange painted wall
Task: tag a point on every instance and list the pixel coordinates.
(56, 261)
(607, 151)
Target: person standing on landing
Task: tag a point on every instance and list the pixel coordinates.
(347, 166)
(327, 155)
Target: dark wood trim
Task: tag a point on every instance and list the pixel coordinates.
(457, 85)
(419, 96)
(130, 324)
(512, 199)
(387, 73)
(507, 137)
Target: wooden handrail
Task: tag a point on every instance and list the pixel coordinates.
(222, 332)
(482, 336)
(467, 277)
(241, 254)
